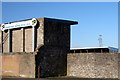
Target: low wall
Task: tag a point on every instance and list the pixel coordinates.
(18, 64)
(93, 65)
(82, 65)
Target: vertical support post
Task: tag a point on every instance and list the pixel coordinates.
(1, 41)
(33, 38)
(87, 51)
(23, 39)
(101, 51)
(74, 51)
(9, 41)
(38, 72)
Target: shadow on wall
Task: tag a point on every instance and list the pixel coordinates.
(39, 59)
(52, 62)
(60, 79)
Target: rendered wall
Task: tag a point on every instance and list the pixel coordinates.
(93, 65)
(19, 65)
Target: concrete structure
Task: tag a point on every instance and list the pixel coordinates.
(47, 32)
(105, 49)
(93, 65)
(45, 48)
(50, 39)
(18, 64)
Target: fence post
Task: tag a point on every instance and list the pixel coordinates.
(38, 72)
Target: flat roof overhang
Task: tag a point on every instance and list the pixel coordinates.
(50, 19)
(61, 21)
(92, 48)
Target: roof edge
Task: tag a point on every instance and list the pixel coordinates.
(49, 19)
(92, 48)
(61, 20)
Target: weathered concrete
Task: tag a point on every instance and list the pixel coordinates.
(93, 65)
(60, 78)
(52, 43)
(19, 65)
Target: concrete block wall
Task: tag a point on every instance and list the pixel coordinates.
(93, 65)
